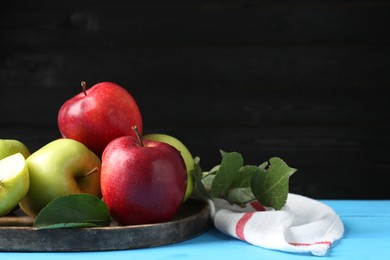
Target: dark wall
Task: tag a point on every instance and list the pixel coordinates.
(302, 80)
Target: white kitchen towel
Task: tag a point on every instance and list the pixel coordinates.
(303, 225)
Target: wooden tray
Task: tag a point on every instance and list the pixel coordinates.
(17, 233)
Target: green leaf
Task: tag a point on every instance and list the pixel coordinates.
(199, 190)
(240, 196)
(76, 210)
(240, 192)
(244, 178)
(270, 187)
(213, 170)
(69, 225)
(227, 173)
(207, 181)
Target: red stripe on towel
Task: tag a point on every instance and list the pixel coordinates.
(316, 243)
(257, 206)
(241, 223)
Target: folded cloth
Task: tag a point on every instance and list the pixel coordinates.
(303, 225)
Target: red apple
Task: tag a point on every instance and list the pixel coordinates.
(142, 182)
(98, 115)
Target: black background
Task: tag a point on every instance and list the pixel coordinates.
(302, 80)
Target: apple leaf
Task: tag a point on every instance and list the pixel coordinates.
(69, 225)
(240, 196)
(240, 192)
(71, 211)
(226, 173)
(245, 176)
(207, 181)
(270, 187)
(199, 189)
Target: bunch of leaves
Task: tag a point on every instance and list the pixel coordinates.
(239, 184)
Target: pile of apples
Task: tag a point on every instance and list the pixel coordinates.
(102, 152)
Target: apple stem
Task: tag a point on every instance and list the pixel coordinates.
(135, 128)
(84, 86)
(90, 172)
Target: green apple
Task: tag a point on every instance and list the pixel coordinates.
(62, 167)
(185, 153)
(14, 182)
(10, 146)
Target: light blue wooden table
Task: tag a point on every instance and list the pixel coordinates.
(367, 236)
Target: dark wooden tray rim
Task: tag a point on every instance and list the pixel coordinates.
(17, 233)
